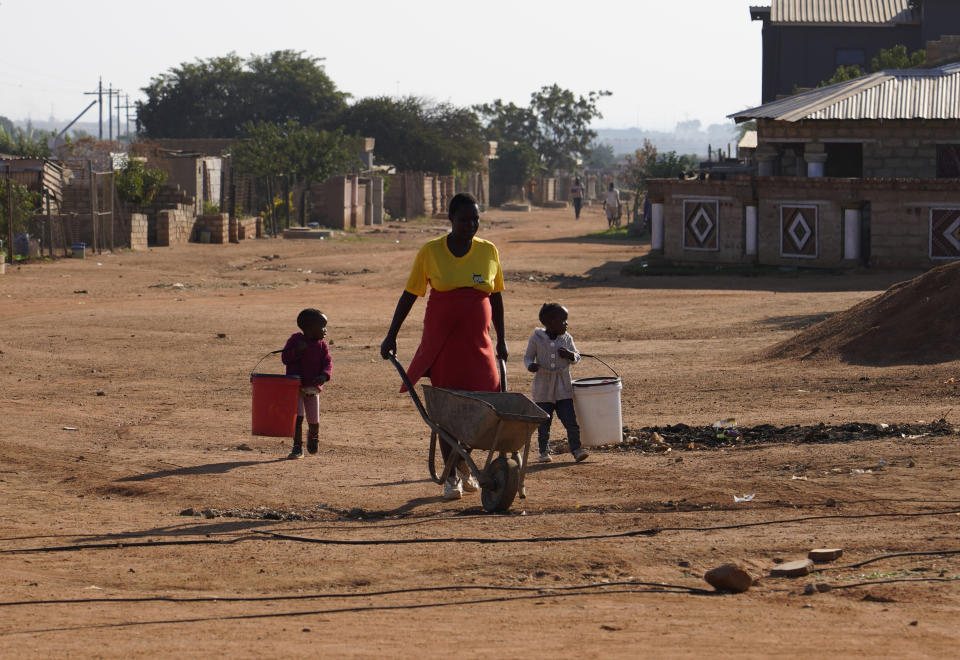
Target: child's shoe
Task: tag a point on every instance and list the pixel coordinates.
(452, 488)
(544, 457)
(580, 455)
(296, 452)
(313, 444)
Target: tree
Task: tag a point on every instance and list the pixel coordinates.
(600, 156)
(414, 134)
(18, 142)
(138, 185)
(746, 127)
(648, 163)
(894, 58)
(25, 204)
(214, 97)
(289, 152)
(556, 124)
(898, 58)
(516, 164)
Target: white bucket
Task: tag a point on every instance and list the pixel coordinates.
(597, 402)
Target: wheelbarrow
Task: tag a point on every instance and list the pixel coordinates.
(500, 423)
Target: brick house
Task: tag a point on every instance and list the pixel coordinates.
(889, 124)
(804, 41)
(862, 172)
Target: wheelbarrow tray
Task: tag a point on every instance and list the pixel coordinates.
(493, 421)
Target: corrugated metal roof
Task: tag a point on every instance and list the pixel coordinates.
(843, 12)
(908, 94)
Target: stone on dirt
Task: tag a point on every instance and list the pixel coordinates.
(797, 568)
(822, 555)
(729, 577)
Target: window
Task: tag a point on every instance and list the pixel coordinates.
(844, 160)
(948, 161)
(848, 56)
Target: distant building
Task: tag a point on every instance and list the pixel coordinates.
(805, 41)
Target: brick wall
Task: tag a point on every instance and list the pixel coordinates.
(138, 231)
(218, 224)
(891, 149)
(248, 227)
(897, 219)
(173, 226)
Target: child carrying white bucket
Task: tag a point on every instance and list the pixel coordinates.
(550, 352)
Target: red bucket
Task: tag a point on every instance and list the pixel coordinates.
(274, 404)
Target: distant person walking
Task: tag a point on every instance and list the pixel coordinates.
(576, 195)
(611, 203)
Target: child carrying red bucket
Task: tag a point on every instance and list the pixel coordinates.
(307, 355)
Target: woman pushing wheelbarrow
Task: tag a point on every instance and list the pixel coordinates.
(456, 352)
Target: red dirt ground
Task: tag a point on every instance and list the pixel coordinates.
(160, 405)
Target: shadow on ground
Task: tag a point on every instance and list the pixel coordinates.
(209, 468)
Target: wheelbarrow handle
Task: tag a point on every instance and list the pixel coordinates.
(413, 392)
(502, 368)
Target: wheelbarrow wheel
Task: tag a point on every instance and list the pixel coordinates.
(504, 474)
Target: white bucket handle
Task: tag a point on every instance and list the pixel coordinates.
(587, 355)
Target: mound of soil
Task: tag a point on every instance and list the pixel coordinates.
(913, 322)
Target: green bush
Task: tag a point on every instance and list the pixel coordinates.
(25, 204)
(137, 185)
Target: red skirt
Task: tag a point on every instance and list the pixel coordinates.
(455, 351)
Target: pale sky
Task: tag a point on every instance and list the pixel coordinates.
(664, 60)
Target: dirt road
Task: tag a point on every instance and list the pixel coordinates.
(124, 402)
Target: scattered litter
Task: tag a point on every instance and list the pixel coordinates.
(796, 478)
(70, 428)
(244, 447)
(803, 390)
(221, 335)
(178, 285)
(99, 263)
(950, 381)
(93, 586)
(859, 471)
(881, 463)
(726, 429)
(883, 426)
(745, 498)
(80, 291)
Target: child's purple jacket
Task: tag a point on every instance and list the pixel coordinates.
(314, 362)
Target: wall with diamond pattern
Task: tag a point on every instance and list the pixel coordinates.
(905, 223)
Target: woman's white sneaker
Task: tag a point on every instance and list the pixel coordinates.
(452, 488)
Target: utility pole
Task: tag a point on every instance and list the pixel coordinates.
(127, 106)
(118, 115)
(99, 95)
(110, 111)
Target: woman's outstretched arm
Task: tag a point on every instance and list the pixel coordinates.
(404, 305)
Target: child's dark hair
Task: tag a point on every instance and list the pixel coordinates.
(308, 316)
(460, 200)
(548, 310)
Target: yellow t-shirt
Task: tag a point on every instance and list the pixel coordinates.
(477, 269)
